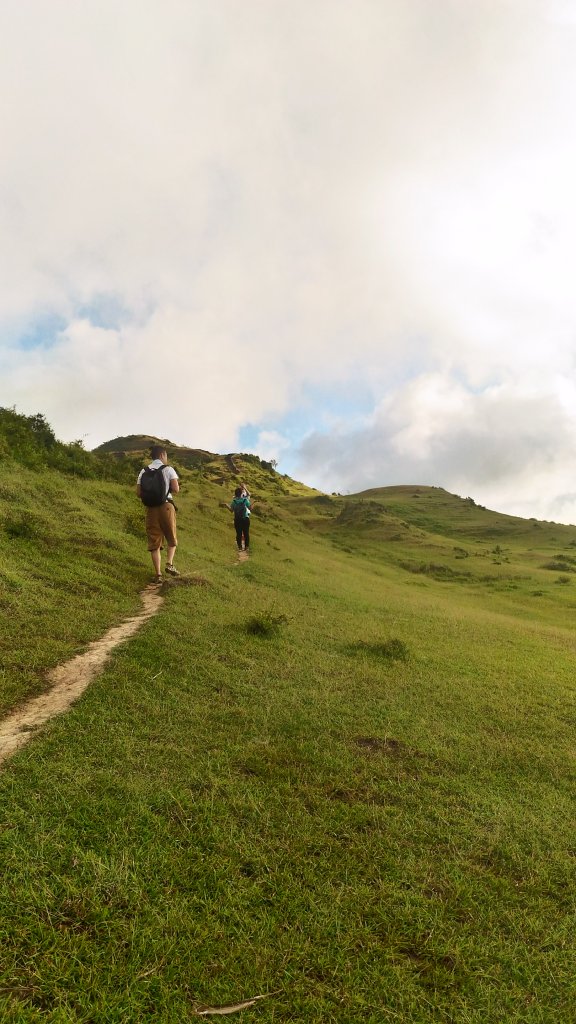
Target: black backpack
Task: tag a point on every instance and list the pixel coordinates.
(153, 488)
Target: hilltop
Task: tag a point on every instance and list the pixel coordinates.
(222, 470)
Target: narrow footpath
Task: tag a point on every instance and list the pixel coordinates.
(69, 680)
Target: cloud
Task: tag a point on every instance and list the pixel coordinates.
(270, 444)
(210, 211)
(491, 445)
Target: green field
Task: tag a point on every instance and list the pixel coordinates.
(340, 774)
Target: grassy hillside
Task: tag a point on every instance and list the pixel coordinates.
(341, 773)
(224, 471)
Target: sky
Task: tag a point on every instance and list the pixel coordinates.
(336, 233)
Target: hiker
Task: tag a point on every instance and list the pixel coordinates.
(240, 506)
(155, 486)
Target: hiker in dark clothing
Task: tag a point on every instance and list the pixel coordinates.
(240, 506)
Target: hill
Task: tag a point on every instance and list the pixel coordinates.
(340, 774)
(222, 470)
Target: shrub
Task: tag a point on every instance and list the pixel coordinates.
(265, 624)
(30, 441)
(20, 528)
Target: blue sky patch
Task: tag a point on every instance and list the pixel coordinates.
(42, 333)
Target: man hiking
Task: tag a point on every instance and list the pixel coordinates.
(155, 486)
(240, 506)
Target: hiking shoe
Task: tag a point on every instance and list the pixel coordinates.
(158, 579)
(171, 570)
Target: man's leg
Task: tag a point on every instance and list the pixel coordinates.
(169, 529)
(154, 538)
(171, 551)
(246, 534)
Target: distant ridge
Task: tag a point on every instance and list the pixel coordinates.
(223, 470)
(132, 443)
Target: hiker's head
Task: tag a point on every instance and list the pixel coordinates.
(158, 452)
(238, 492)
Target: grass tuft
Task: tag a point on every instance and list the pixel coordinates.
(391, 650)
(265, 624)
(20, 528)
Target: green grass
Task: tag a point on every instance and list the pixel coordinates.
(364, 808)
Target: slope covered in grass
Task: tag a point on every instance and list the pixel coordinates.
(364, 807)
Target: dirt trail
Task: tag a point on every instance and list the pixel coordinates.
(69, 680)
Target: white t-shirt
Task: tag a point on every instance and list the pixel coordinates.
(168, 473)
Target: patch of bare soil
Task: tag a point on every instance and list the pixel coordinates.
(68, 681)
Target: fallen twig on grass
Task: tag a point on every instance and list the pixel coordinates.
(234, 1008)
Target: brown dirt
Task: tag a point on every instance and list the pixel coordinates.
(68, 681)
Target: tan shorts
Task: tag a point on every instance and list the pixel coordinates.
(161, 525)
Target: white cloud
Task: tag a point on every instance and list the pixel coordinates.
(270, 444)
(226, 205)
(507, 446)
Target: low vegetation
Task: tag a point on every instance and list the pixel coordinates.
(314, 776)
(31, 442)
(265, 624)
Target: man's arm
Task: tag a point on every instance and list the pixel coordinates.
(173, 483)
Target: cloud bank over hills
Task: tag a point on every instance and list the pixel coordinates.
(346, 229)
(437, 430)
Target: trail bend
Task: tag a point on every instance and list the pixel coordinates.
(69, 680)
